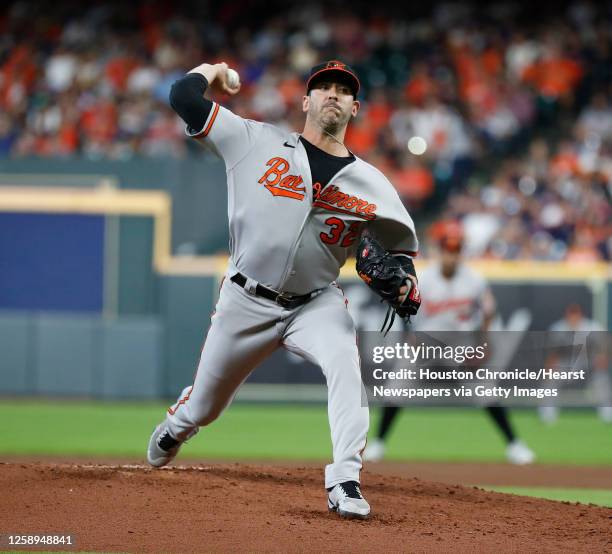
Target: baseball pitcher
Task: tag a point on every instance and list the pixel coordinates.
(298, 205)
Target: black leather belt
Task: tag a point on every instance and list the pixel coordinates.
(287, 301)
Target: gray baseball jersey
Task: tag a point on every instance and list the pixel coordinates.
(283, 233)
(290, 235)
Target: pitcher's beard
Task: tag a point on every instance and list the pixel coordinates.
(334, 126)
(330, 124)
(331, 129)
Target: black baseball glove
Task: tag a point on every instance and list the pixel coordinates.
(385, 273)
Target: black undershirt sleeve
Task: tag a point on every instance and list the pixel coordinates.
(187, 100)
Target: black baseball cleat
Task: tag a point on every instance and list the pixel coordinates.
(346, 499)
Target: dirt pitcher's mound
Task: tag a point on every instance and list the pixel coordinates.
(237, 508)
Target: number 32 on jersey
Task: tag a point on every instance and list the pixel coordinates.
(336, 232)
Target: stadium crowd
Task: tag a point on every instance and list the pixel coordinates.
(500, 97)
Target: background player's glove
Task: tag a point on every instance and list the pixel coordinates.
(385, 274)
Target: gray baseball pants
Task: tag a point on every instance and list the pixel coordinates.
(245, 329)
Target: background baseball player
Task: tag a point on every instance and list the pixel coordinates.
(455, 298)
(297, 206)
(575, 322)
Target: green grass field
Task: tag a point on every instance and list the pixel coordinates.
(297, 432)
(293, 432)
(585, 496)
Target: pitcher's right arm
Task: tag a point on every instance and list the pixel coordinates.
(224, 132)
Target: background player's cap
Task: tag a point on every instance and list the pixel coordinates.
(449, 235)
(336, 70)
(451, 243)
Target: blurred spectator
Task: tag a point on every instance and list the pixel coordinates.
(414, 181)
(8, 134)
(553, 74)
(595, 121)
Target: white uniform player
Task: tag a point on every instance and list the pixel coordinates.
(461, 302)
(297, 205)
(454, 297)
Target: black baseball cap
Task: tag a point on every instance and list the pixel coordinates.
(335, 70)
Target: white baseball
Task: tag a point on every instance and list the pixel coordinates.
(233, 79)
